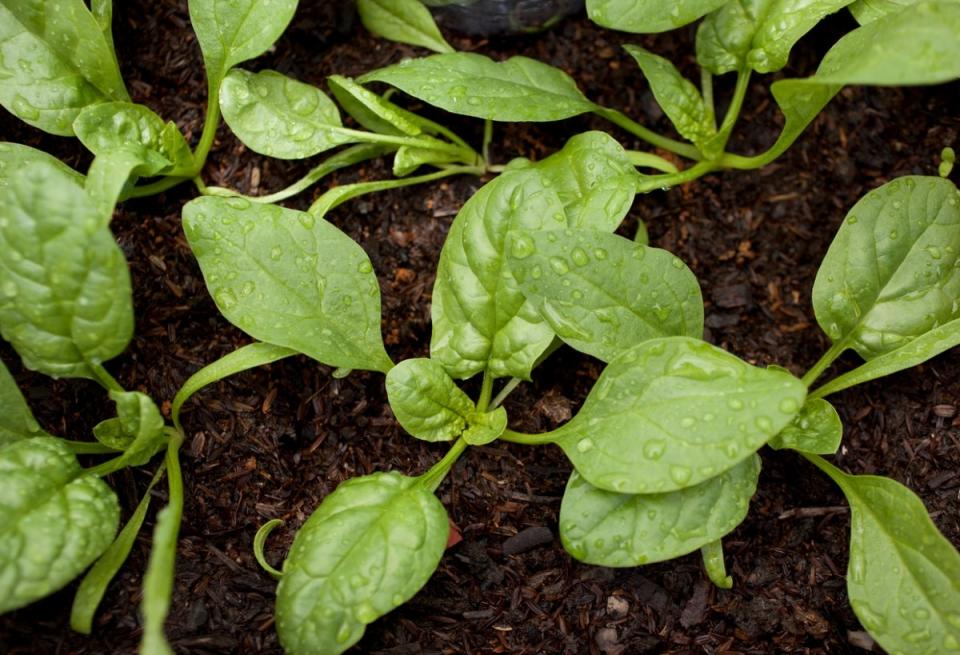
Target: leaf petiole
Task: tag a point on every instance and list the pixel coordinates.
(625, 122)
(824, 363)
(527, 439)
(649, 160)
(438, 472)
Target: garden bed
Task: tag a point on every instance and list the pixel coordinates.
(272, 442)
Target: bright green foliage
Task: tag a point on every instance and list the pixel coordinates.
(278, 116)
(404, 21)
(368, 548)
(138, 429)
(891, 273)
(65, 302)
(867, 11)
(372, 111)
(602, 293)
(16, 419)
(816, 429)
(903, 576)
(290, 279)
(677, 96)
(486, 427)
(232, 31)
(14, 157)
(647, 16)
(518, 89)
(670, 413)
(54, 520)
(113, 174)
(758, 34)
(426, 401)
(612, 529)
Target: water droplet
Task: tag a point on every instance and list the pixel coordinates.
(687, 422)
(584, 445)
(789, 406)
(559, 266)
(600, 253)
(365, 267)
(654, 449)
(343, 634)
(764, 424)
(680, 474)
(276, 253)
(735, 404)
(522, 246)
(579, 257)
(677, 263)
(852, 219)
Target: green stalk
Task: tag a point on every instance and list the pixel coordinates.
(526, 439)
(733, 111)
(824, 363)
(650, 160)
(486, 390)
(506, 391)
(211, 122)
(438, 472)
(617, 118)
(706, 90)
(663, 182)
(154, 188)
(106, 380)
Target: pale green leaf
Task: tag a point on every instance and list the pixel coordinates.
(138, 429)
(404, 21)
(369, 547)
(486, 427)
(426, 401)
(115, 172)
(891, 273)
(648, 16)
(289, 279)
(15, 156)
(372, 111)
(602, 293)
(54, 520)
(65, 298)
(670, 413)
(611, 529)
(518, 89)
(409, 159)
(278, 116)
(16, 419)
(816, 429)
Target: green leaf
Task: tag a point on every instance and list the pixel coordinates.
(594, 179)
(16, 419)
(70, 32)
(102, 11)
(603, 294)
(16, 156)
(903, 576)
(670, 413)
(480, 318)
(369, 547)
(115, 172)
(486, 427)
(677, 96)
(648, 16)
(138, 429)
(408, 159)
(816, 429)
(917, 351)
(54, 520)
(891, 273)
(232, 31)
(404, 21)
(426, 401)
(714, 565)
(65, 299)
(619, 530)
(758, 33)
(867, 11)
(372, 111)
(109, 126)
(278, 116)
(515, 90)
(290, 279)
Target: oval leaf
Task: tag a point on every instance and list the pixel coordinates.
(670, 413)
(278, 116)
(816, 429)
(368, 548)
(404, 21)
(138, 429)
(16, 419)
(290, 279)
(426, 401)
(518, 89)
(648, 16)
(372, 111)
(602, 293)
(610, 529)
(54, 521)
(485, 428)
(15, 156)
(65, 299)
(891, 273)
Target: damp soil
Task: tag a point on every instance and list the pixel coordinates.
(272, 442)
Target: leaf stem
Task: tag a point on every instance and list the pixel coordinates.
(835, 474)
(506, 391)
(154, 188)
(487, 139)
(259, 540)
(824, 362)
(106, 380)
(650, 160)
(438, 472)
(527, 439)
(211, 122)
(663, 182)
(486, 390)
(621, 120)
(733, 111)
(706, 90)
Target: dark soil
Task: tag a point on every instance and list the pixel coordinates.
(274, 441)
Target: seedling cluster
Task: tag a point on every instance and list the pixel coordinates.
(665, 450)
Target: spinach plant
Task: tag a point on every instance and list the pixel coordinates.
(902, 43)
(665, 447)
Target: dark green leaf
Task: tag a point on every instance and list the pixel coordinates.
(404, 21)
(368, 548)
(426, 401)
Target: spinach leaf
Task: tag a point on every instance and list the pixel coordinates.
(611, 529)
(602, 293)
(54, 520)
(115, 172)
(404, 21)
(45, 90)
(816, 429)
(891, 273)
(670, 413)
(758, 33)
(368, 548)
(486, 427)
(518, 89)
(16, 419)
(138, 429)
(408, 159)
(232, 31)
(677, 96)
(867, 11)
(903, 576)
(16, 156)
(65, 300)
(372, 111)
(426, 401)
(278, 116)
(290, 279)
(648, 16)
